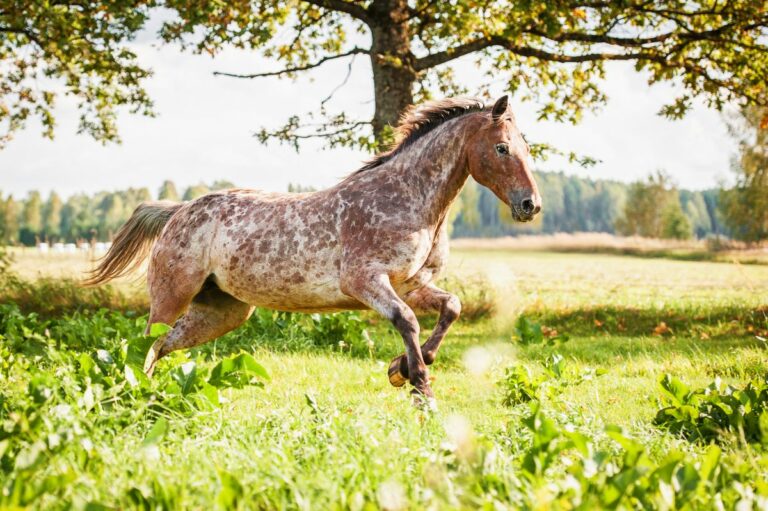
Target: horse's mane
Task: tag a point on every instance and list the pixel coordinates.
(419, 120)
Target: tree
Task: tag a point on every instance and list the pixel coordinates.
(52, 216)
(72, 48)
(12, 212)
(550, 51)
(653, 210)
(222, 184)
(674, 223)
(113, 215)
(31, 218)
(195, 191)
(168, 192)
(79, 217)
(299, 188)
(745, 206)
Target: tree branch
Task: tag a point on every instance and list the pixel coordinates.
(442, 57)
(354, 10)
(641, 41)
(297, 69)
(24, 32)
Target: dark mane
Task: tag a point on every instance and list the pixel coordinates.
(417, 121)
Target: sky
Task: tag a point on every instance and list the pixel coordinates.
(205, 125)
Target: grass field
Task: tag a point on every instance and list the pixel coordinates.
(326, 431)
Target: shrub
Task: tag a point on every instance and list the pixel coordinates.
(529, 332)
(565, 469)
(53, 401)
(709, 414)
(520, 386)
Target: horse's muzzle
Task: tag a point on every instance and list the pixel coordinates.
(525, 206)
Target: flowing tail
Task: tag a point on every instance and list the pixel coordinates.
(133, 241)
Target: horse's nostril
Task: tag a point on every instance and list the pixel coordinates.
(527, 206)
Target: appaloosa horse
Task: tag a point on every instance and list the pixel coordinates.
(376, 240)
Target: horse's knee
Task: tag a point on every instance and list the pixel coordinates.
(429, 356)
(451, 308)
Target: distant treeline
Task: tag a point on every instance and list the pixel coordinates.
(571, 204)
(81, 217)
(576, 204)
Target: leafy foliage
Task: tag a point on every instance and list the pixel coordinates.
(712, 413)
(551, 53)
(745, 206)
(520, 386)
(653, 210)
(529, 332)
(81, 47)
(73, 391)
(594, 477)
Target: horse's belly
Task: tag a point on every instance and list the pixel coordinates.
(301, 288)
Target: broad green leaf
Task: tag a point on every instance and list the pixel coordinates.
(156, 432)
(230, 491)
(237, 371)
(158, 329)
(137, 351)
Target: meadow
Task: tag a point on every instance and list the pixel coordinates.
(551, 390)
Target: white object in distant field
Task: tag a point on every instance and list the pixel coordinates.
(58, 248)
(42, 248)
(70, 248)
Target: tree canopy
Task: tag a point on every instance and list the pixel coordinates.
(552, 52)
(77, 48)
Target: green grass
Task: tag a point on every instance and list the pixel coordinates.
(328, 432)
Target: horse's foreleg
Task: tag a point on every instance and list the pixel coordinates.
(429, 298)
(376, 292)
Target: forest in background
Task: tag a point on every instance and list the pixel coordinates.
(571, 204)
(577, 204)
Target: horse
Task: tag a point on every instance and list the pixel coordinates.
(376, 240)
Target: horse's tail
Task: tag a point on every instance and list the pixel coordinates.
(133, 241)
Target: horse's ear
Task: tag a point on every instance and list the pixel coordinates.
(500, 107)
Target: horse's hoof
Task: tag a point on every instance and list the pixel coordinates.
(396, 378)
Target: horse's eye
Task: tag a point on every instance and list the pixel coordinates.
(502, 149)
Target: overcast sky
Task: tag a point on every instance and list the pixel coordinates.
(204, 132)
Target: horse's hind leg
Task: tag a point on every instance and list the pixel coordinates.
(429, 298)
(168, 303)
(211, 314)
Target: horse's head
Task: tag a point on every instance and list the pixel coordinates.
(498, 159)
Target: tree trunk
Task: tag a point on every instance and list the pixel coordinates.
(393, 65)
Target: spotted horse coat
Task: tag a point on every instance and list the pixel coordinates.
(377, 240)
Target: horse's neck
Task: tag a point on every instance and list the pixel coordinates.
(435, 169)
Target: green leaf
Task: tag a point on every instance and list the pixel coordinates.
(674, 389)
(187, 377)
(710, 461)
(237, 372)
(158, 329)
(156, 433)
(231, 491)
(137, 351)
